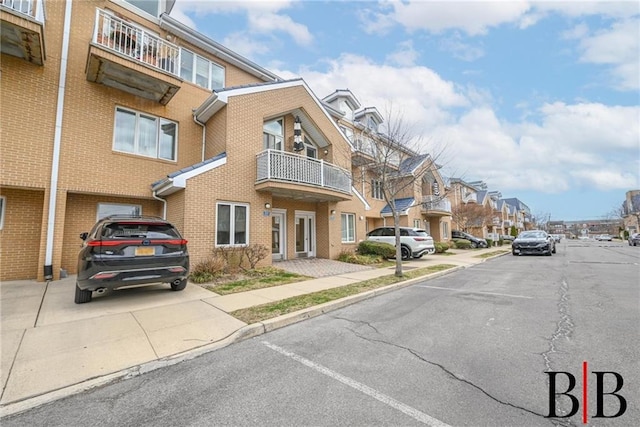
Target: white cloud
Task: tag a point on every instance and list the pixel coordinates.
(472, 17)
(246, 45)
(458, 49)
(619, 47)
(405, 55)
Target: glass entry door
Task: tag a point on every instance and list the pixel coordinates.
(278, 235)
(305, 228)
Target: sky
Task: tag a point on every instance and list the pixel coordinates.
(540, 100)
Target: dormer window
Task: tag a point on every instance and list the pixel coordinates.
(348, 112)
(371, 124)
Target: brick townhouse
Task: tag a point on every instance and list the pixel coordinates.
(113, 106)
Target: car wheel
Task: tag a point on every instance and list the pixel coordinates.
(548, 252)
(554, 250)
(405, 252)
(179, 285)
(514, 253)
(82, 295)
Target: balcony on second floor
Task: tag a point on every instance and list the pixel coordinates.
(294, 176)
(22, 29)
(125, 56)
(436, 206)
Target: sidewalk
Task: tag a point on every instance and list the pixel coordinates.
(52, 347)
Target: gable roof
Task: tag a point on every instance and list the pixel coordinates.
(220, 98)
(410, 164)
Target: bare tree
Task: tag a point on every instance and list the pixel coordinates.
(471, 215)
(394, 162)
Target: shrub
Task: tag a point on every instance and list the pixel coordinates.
(207, 270)
(489, 243)
(441, 247)
(255, 254)
(500, 241)
(462, 244)
(368, 247)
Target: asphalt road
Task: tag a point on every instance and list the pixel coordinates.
(471, 348)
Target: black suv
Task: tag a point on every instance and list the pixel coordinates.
(476, 242)
(122, 251)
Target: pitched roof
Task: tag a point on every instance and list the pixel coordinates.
(410, 164)
(401, 205)
(178, 180)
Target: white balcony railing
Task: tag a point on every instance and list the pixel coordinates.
(507, 223)
(138, 44)
(436, 203)
(282, 166)
(32, 8)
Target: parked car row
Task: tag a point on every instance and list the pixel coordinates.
(634, 239)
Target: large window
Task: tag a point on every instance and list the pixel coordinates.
(106, 209)
(376, 189)
(3, 202)
(145, 135)
(232, 225)
(348, 227)
(273, 134)
(200, 70)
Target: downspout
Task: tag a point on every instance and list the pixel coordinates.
(204, 133)
(164, 204)
(57, 142)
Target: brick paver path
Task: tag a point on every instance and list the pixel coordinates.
(319, 267)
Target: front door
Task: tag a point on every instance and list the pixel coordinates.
(278, 235)
(305, 228)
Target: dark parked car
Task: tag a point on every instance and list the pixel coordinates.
(122, 251)
(634, 239)
(533, 242)
(476, 242)
(507, 238)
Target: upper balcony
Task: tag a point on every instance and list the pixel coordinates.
(436, 205)
(293, 176)
(130, 58)
(364, 151)
(22, 29)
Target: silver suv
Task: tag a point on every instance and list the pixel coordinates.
(414, 242)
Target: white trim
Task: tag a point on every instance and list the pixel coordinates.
(347, 215)
(181, 180)
(224, 95)
(312, 233)
(283, 245)
(367, 206)
(231, 224)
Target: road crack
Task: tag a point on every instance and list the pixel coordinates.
(444, 369)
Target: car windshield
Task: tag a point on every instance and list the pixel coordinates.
(532, 235)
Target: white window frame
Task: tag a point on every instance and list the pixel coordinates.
(232, 224)
(348, 219)
(278, 138)
(3, 205)
(417, 223)
(376, 189)
(160, 121)
(124, 206)
(211, 68)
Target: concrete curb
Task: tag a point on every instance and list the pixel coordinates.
(246, 332)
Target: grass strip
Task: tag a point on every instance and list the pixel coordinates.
(278, 278)
(274, 309)
(490, 254)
